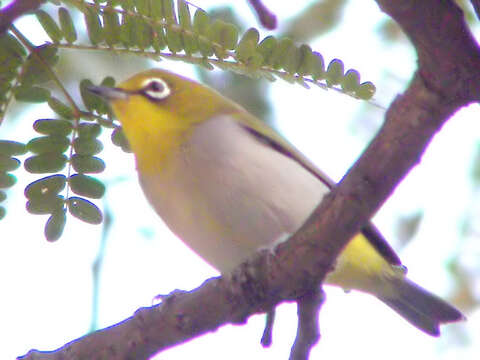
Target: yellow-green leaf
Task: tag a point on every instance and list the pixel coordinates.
(89, 130)
(365, 91)
(8, 163)
(48, 144)
(351, 81)
(119, 139)
(66, 24)
(45, 163)
(94, 26)
(12, 148)
(45, 204)
(334, 72)
(318, 72)
(60, 108)
(87, 146)
(34, 94)
(84, 210)
(86, 186)
(55, 225)
(47, 186)
(87, 164)
(53, 127)
(7, 180)
(49, 25)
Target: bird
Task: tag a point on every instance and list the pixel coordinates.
(227, 185)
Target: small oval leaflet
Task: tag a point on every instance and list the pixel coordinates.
(55, 225)
(7, 180)
(12, 148)
(86, 186)
(8, 163)
(45, 204)
(53, 127)
(84, 210)
(48, 185)
(45, 163)
(87, 164)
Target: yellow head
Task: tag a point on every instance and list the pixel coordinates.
(158, 110)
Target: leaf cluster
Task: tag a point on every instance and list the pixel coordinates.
(66, 150)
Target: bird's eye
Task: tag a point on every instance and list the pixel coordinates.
(155, 89)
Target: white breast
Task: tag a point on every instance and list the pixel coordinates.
(226, 194)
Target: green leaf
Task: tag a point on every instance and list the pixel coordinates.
(351, 81)
(169, 11)
(201, 22)
(94, 26)
(307, 60)
(3, 212)
(60, 108)
(247, 45)
(184, 17)
(143, 34)
(8, 163)
(318, 72)
(292, 60)
(87, 164)
(45, 163)
(111, 23)
(173, 37)
(55, 225)
(32, 94)
(143, 7)
(3, 195)
(89, 130)
(280, 52)
(266, 48)
(119, 139)
(10, 43)
(87, 146)
(47, 186)
(35, 71)
(53, 127)
(365, 91)
(159, 42)
(334, 72)
(89, 99)
(45, 204)
(84, 210)
(66, 24)
(156, 11)
(12, 148)
(7, 180)
(48, 144)
(86, 186)
(49, 25)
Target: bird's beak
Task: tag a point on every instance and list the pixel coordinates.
(109, 93)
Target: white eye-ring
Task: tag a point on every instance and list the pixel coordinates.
(155, 89)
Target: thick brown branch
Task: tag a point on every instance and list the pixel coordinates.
(447, 79)
(14, 10)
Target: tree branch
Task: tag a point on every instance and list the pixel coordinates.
(265, 16)
(448, 77)
(14, 10)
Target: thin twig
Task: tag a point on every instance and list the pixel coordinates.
(266, 340)
(265, 16)
(308, 332)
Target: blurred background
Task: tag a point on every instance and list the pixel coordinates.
(95, 276)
